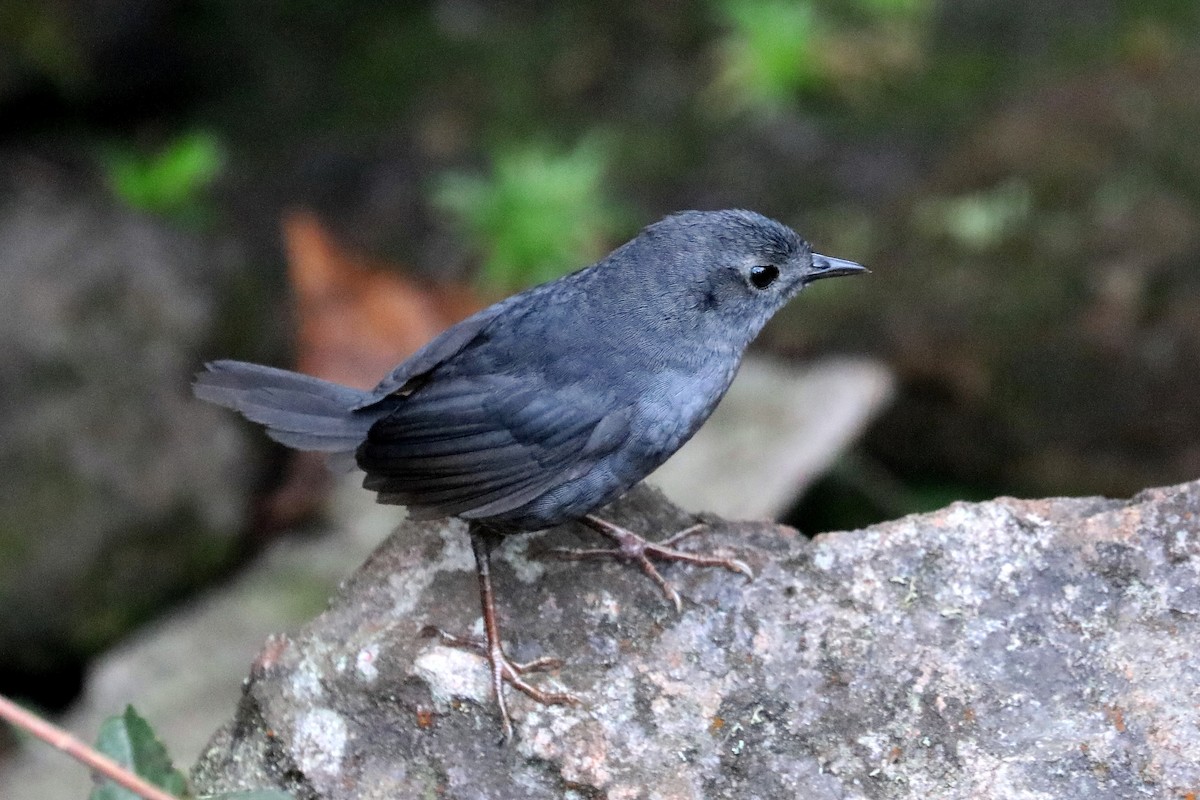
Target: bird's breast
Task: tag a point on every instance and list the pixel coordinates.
(676, 402)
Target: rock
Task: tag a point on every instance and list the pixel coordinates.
(1008, 649)
(118, 491)
(184, 671)
(217, 634)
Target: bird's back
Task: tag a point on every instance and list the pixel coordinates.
(557, 406)
(551, 403)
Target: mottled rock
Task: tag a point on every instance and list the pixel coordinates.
(1008, 649)
(185, 671)
(218, 634)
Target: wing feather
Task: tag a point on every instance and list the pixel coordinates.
(481, 446)
(441, 349)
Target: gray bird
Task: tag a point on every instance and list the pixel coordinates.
(554, 402)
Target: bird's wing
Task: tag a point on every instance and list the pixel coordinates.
(482, 445)
(441, 349)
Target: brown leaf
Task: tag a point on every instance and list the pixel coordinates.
(356, 318)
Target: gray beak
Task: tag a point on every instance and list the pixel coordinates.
(828, 267)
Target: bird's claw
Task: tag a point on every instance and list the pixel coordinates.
(543, 664)
(632, 548)
(502, 669)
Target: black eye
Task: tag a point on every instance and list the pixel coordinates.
(764, 276)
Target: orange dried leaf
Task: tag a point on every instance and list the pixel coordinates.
(357, 317)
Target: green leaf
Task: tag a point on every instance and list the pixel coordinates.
(772, 50)
(539, 214)
(171, 181)
(253, 794)
(130, 741)
(775, 51)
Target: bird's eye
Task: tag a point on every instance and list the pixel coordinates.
(763, 276)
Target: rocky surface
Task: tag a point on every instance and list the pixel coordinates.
(184, 672)
(217, 634)
(1008, 649)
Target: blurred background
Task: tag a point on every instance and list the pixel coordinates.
(325, 184)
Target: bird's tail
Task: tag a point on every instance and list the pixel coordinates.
(297, 410)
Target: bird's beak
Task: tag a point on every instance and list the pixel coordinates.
(828, 267)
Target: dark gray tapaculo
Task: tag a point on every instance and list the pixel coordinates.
(550, 404)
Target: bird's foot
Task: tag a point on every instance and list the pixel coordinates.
(634, 549)
(503, 670)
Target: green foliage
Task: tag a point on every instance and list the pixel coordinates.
(777, 49)
(772, 50)
(129, 740)
(894, 8)
(170, 182)
(538, 215)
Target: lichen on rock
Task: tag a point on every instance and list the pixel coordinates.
(1014, 648)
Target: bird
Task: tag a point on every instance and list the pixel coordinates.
(548, 405)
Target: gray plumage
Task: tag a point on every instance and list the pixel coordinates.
(555, 401)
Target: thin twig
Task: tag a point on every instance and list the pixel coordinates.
(97, 762)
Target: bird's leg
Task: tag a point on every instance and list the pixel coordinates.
(501, 668)
(633, 548)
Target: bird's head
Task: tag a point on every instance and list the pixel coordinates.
(732, 269)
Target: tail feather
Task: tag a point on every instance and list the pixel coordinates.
(297, 410)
